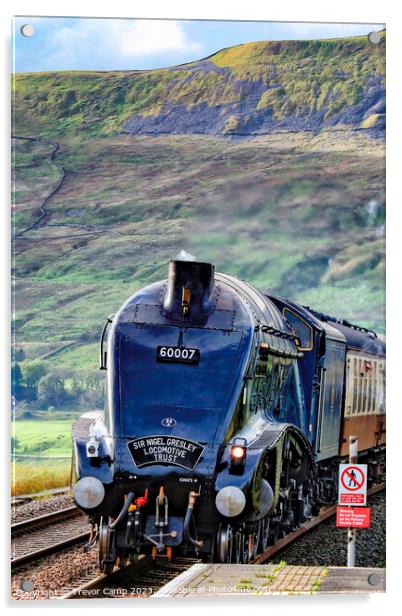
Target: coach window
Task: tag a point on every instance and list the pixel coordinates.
(355, 387)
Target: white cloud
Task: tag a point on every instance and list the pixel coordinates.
(95, 39)
(149, 37)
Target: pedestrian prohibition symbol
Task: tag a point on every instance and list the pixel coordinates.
(352, 484)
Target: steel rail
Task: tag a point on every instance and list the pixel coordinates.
(49, 549)
(144, 562)
(43, 520)
(21, 499)
(145, 573)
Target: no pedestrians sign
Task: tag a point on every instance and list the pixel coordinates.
(352, 484)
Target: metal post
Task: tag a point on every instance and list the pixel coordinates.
(353, 447)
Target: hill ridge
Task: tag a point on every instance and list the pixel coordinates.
(247, 89)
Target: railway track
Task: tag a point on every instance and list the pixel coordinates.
(145, 577)
(47, 534)
(21, 499)
(140, 579)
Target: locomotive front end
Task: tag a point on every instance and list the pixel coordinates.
(176, 355)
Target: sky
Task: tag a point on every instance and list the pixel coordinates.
(66, 43)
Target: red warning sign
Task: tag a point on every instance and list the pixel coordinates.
(352, 484)
(352, 517)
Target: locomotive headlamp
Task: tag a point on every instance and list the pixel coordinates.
(238, 452)
(230, 501)
(88, 492)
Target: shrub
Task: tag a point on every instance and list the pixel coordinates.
(33, 372)
(51, 390)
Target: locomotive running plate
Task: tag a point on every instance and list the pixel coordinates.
(165, 450)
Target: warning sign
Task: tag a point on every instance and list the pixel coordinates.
(352, 484)
(352, 517)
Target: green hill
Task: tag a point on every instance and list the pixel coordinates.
(300, 214)
(254, 88)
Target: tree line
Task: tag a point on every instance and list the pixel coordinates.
(38, 383)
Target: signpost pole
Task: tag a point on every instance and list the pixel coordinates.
(353, 446)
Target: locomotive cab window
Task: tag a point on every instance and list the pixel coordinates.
(301, 329)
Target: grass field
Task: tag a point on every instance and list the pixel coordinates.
(47, 437)
(35, 476)
(41, 437)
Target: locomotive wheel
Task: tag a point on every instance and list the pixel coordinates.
(237, 548)
(254, 542)
(224, 544)
(264, 534)
(241, 547)
(107, 554)
(275, 533)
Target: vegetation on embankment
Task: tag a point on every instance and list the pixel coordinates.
(36, 476)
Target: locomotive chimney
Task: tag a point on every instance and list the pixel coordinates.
(190, 289)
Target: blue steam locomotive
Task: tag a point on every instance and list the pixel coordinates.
(228, 412)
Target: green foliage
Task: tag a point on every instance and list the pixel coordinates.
(51, 390)
(271, 98)
(372, 120)
(16, 380)
(33, 372)
(33, 477)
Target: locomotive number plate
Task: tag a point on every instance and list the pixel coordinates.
(177, 355)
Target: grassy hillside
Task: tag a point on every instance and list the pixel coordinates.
(302, 217)
(300, 214)
(249, 89)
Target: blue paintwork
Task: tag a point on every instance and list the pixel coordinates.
(200, 398)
